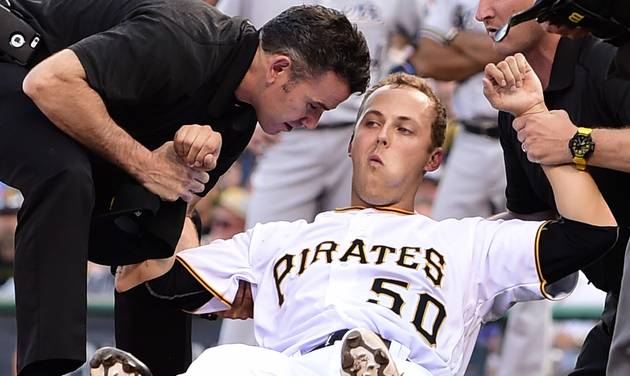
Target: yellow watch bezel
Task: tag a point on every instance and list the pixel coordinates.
(579, 162)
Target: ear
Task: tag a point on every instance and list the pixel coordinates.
(279, 65)
(434, 160)
(350, 144)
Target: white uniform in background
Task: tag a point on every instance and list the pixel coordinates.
(307, 171)
(426, 285)
(472, 181)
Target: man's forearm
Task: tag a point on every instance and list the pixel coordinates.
(611, 149)
(477, 46)
(76, 109)
(577, 196)
(443, 63)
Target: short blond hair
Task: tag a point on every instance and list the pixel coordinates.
(400, 79)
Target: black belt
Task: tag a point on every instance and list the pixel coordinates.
(492, 132)
(338, 336)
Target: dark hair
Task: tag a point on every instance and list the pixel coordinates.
(438, 127)
(319, 39)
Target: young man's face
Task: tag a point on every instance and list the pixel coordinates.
(521, 38)
(287, 104)
(391, 148)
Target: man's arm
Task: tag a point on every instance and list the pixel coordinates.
(444, 63)
(547, 135)
(58, 86)
(477, 46)
(513, 86)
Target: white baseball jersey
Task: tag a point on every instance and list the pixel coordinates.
(426, 284)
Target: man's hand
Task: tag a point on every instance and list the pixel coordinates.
(511, 85)
(545, 136)
(243, 305)
(198, 145)
(169, 177)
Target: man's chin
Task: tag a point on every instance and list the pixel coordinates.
(272, 129)
(376, 199)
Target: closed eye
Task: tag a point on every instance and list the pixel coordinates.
(404, 130)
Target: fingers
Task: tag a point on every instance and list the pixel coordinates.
(205, 151)
(495, 75)
(209, 162)
(522, 63)
(170, 177)
(242, 305)
(508, 73)
(511, 73)
(519, 123)
(187, 196)
(240, 294)
(518, 65)
(198, 145)
(488, 87)
(182, 142)
(200, 176)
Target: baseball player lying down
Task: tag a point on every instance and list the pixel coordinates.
(423, 287)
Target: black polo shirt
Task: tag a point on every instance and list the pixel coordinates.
(581, 86)
(621, 65)
(159, 65)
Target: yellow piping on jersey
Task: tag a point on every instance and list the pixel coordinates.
(203, 282)
(390, 209)
(543, 283)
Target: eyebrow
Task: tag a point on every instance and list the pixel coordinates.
(320, 104)
(378, 113)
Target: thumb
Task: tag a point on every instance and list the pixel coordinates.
(490, 92)
(209, 162)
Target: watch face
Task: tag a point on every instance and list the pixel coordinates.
(582, 146)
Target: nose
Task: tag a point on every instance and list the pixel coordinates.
(383, 136)
(484, 10)
(311, 120)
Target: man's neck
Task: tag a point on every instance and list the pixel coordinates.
(245, 92)
(541, 58)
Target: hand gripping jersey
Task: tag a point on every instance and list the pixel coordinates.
(426, 284)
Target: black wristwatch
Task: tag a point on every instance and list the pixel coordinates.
(582, 147)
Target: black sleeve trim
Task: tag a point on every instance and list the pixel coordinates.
(541, 278)
(565, 246)
(202, 282)
(180, 287)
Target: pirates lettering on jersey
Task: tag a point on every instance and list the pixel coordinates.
(327, 251)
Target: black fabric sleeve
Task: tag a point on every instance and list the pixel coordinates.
(180, 287)
(145, 59)
(621, 66)
(521, 197)
(566, 246)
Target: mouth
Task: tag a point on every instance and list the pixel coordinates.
(491, 31)
(375, 160)
(288, 127)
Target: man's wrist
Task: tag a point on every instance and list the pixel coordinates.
(539, 107)
(137, 161)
